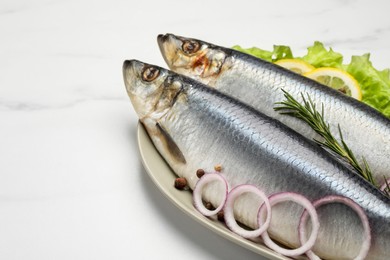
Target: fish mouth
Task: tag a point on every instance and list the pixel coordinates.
(127, 64)
(161, 38)
(130, 66)
(129, 74)
(164, 44)
(126, 68)
(164, 38)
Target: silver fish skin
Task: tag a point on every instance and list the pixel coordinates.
(259, 84)
(194, 126)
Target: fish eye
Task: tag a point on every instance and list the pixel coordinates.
(150, 73)
(190, 46)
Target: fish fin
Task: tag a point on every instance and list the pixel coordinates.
(170, 145)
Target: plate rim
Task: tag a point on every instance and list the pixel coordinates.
(151, 159)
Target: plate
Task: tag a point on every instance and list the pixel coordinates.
(164, 177)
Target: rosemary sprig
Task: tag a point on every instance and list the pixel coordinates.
(308, 113)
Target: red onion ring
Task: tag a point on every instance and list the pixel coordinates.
(229, 211)
(301, 200)
(384, 185)
(359, 211)
(197, 195)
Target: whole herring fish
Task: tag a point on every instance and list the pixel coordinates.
(194, 126)
(259, 84)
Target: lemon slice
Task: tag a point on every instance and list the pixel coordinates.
(296, 65)
(337, 79)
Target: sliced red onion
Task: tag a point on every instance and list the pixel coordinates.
(384, 185)
(197, 195)
(301, 200)
(229, 211)
(359, 211)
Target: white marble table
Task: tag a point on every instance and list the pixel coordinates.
(71, 182)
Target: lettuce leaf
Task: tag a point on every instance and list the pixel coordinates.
(375, 84)
(318, 56)
(279, 52)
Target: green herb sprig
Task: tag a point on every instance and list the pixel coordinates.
(309, 114)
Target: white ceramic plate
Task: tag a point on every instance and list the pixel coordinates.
(164, 178)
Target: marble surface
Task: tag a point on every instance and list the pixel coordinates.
(71, 182)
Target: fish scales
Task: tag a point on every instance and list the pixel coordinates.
(209, 127)
(259, 83)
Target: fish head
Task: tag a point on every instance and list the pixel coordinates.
(150, 89)
(153, 91)
(197, 59)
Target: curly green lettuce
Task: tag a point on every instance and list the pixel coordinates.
(375, 84)
(279, 52)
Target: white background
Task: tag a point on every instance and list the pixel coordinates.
(71, 182)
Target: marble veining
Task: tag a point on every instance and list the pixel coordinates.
(23, 106)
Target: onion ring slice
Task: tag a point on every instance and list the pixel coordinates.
(197, 195)
(359, 211)
(301, 200)
(384, 185)
(229, 211)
